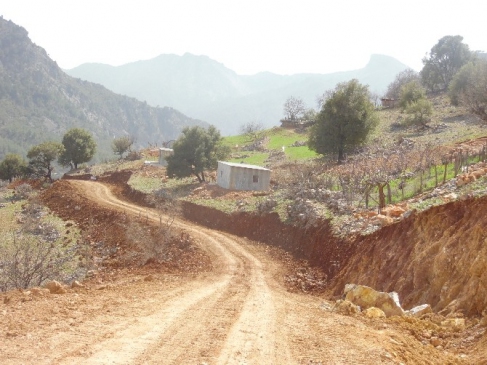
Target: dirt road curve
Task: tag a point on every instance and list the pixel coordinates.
(237, 314)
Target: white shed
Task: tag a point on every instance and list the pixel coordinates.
(163, 153)
(239, 176)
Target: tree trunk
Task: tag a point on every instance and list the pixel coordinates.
(340, 155)
(382, 196)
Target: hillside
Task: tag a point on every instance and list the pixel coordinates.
(205, 89)
(257, 284)
(39, 102)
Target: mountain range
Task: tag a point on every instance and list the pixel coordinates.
(39, 102)
(205, 89)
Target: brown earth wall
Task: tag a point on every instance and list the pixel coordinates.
(316, 244)
(438, 256)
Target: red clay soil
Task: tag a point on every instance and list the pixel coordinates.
(437, 257)
(106, 231)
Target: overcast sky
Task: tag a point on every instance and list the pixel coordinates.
(247, 36)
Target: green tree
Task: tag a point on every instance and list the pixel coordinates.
(122, 145)
(345, 120)
(42, 156)
(13, 165)
(79, 147)
(419, 113)
(469, 87)
(414, 103)
(196, 150)
(411, 93)
(444, 61)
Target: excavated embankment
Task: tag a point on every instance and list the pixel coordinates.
(438, 256)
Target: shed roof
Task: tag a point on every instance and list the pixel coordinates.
(166, 149)
(244, 165)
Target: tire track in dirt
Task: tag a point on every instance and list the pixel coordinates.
(237, 304)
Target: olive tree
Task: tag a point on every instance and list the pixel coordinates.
(12, 166)
(414, 103)
(444, 61)
(196, 150)
(42, 156)
(121, 145)
(345, 120)
(79, 147)
(469, 87)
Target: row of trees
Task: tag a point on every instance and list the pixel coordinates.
(77, 147)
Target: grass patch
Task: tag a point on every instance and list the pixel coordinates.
(300, 153)
(144, 184)
(252, 158)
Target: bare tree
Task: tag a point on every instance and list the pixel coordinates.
(252, 130)
(294, 108)
(27, 260)
(402, 78)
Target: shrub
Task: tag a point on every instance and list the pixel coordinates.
(23, 191)
(27, 261)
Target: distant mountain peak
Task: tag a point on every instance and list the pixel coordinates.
(206, 89)
(377, 60)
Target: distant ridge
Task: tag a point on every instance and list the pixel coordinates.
(39, 102)
(205, 89)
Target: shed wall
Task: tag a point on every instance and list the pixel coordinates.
(243, 178)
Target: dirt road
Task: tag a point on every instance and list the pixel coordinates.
(239, 313)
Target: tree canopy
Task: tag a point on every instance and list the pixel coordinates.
(414, 103)
(411, 93)
(42, 156)
(122, 145)
(79, 147)
(444, 61)
(345, 120)
(469, 87)
(196, 150)
(13, 165)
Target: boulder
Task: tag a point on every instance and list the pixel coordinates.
(419, 310)
(382, 220)
(76, 284)
(55, 287)
(456, 324)
(366, 297)
(374, 312)
(346, 307)
(393, 211)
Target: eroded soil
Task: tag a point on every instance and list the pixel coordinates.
(221, 300)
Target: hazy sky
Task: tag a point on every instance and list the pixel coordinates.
(247, 36)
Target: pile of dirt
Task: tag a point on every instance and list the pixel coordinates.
(106, 231)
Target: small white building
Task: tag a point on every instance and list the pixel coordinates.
(239, 176)
(163, 153)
